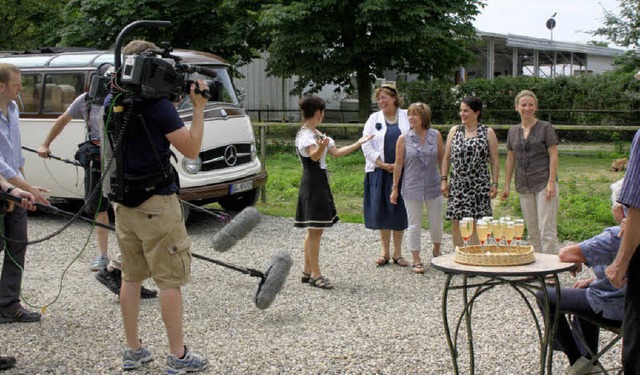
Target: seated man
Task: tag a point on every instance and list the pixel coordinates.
(594, 299)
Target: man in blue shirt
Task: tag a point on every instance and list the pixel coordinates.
(625, 269)
(595, 298)
(15, 222)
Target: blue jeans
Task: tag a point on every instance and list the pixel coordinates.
(574, 300)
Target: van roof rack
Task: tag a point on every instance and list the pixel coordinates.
(48, 50)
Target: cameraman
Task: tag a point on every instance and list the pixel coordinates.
(149, 227)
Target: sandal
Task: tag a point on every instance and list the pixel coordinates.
(400, 261)
(305, 278)
(418, 268)
(382, 261)
(321, 282)
(435, 255)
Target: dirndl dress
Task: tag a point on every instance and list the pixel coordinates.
(315, 208)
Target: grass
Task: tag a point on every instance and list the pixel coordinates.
(584, 180)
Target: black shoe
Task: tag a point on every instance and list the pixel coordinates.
(110, 279)
(19, 315)
(7, 363)
(148, 293)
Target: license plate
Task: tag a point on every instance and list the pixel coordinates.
(240, 187)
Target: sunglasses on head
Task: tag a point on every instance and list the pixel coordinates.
(389, 87)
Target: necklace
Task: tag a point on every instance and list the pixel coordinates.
(471, 130)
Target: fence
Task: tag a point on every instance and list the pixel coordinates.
(285, 132)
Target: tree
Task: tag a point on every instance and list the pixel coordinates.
(333, 41)
(623, 29)
(218, 26)
(29, 24)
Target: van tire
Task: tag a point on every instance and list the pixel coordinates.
(186, 212)
(238, 202)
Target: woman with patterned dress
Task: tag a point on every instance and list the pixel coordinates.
(532, 151)
(471, 148)
(385, 126)
(419, 156)
(316, 210)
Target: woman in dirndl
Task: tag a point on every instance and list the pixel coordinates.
(316, 210)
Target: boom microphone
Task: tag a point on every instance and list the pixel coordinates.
(277, 269)
(239, 227)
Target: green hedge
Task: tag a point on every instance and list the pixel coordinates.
(611, 98)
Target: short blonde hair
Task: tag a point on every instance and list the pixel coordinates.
(6, 70)
(136, 47)
(615, 192)
(422, 110)
(524, 93)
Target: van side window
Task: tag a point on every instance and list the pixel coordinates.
(29, 101)
(60, 90)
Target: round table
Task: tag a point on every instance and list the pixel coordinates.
(525, 278)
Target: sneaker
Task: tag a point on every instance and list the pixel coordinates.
(133, 359)
(148, 293)
(19, 315)
(110, 279)
(190, 363)
(99, 263)
(7, 363)
(580, 367)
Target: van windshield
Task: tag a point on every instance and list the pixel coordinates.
(222, 90)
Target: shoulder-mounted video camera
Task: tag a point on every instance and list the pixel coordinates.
(159, 74)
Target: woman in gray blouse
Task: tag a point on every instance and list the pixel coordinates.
(533, 153)
(419, 155)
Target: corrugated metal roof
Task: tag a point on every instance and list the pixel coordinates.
(520, 41)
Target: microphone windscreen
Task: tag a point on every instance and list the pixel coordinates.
(240, 226)
(277, 270)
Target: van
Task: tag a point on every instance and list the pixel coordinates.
(228, 170)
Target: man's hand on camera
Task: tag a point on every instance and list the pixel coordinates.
(197, 100)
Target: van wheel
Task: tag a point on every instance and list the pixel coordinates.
(186, 211)
(239, 202)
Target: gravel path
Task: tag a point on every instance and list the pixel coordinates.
(377, 320)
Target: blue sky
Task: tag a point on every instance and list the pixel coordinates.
(528, 17)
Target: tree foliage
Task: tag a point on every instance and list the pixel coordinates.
(29, 24)
(624, 28)
(334, 41)
(219, 26)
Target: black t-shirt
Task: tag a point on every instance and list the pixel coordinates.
(160, 118)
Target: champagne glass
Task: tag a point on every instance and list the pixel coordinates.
(488, 220)
(518, 229)
(483, 231)
(508, 232)
(496, 227)
(466, 229)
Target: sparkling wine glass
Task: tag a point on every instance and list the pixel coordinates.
(496, 227)
(466, 229)
(488, 220)
(508, 232)
(518, 230)
(483, 232)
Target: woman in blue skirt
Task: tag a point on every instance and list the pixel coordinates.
(385, 126)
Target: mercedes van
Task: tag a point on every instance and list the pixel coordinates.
(227, 171)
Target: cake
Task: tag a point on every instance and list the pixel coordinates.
(494, 255)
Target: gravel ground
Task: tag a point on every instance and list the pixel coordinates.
(377, 320)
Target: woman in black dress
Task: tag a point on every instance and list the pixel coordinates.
(316, 210)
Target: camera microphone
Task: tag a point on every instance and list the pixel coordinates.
(239, 227)
(277, 270)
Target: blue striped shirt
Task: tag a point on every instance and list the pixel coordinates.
(11, 157)
(630, 192)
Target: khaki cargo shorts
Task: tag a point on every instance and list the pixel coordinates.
(153, 241)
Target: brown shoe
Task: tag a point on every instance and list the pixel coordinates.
(401, 262)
